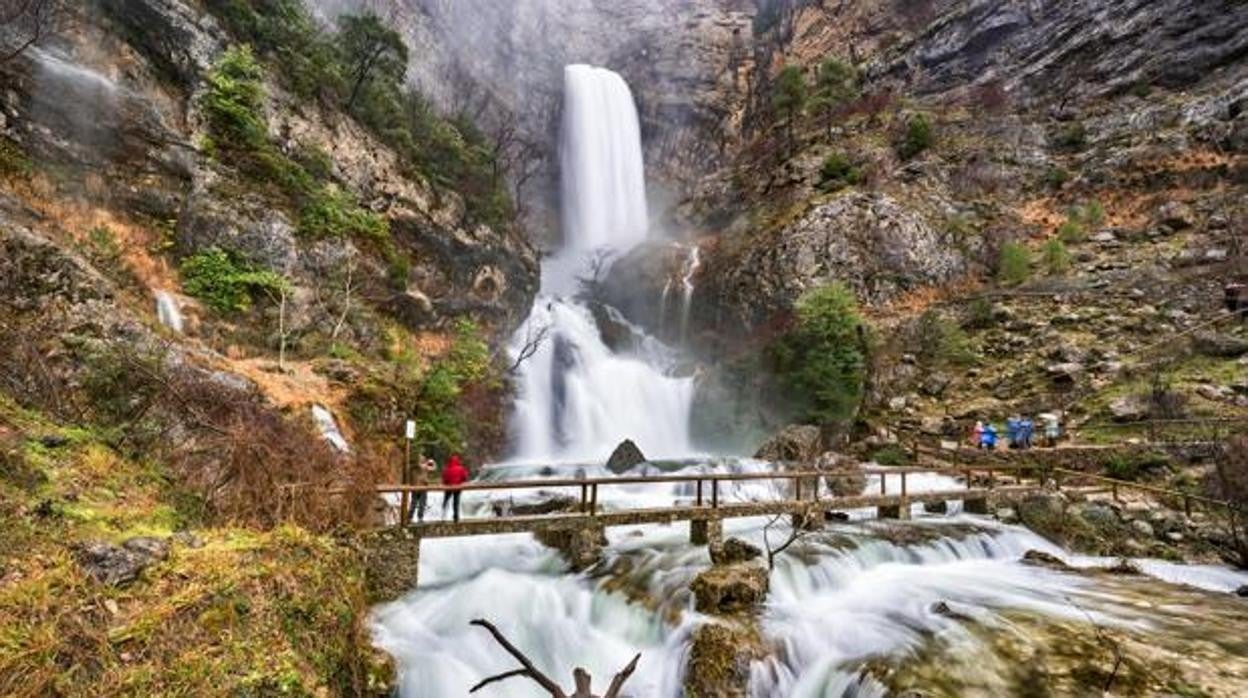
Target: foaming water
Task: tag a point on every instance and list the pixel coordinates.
(167, 311)
(838, 597)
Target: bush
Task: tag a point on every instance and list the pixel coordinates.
(1014, 265)
(234, 99)
(838, 171)
(224, 282)
(1071, 231)
(822, 360)
(942, 341)
(1055, 258)
(979, 313)
(1073, 137)
(1055, 177)
(919, 136)
(892, 455)
(330, 212)
(1133, 466)
(13, 161)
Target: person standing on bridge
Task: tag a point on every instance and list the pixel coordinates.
(427, 475)
(453, 475)
(988, 439)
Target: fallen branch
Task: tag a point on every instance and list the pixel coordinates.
(581, 677)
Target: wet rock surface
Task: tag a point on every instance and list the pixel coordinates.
(625, 457)
(729, 589)
(798, 443)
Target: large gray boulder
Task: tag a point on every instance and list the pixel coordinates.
(119, 565)
(798, 443)
(625, 457)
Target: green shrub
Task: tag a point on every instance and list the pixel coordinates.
(1073, 137)
(942, 341)
(919, 136)
(960, 225)
(102, 243)
(13, 160)
(891, 455)
(224, 282)
(1014, 265)
(1055, 177)
(234, 100)
(285, 32)
(1054, 257)
(822, 359)
(838, 171)
(979, 313)
(330, 212)
(1133, 466)
(1072, 231)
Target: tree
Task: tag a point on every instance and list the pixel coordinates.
(1055, 257)
(1229, 482)
(918, 137)
(789, 98)
(835, 85)
(823, 359)
(26, 23)
(580, 676)
(372, 54)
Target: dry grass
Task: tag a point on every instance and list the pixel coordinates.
(276, 612)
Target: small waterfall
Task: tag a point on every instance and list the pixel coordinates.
(168, 312)
(328, 427)
(692, 264)
(577, 398)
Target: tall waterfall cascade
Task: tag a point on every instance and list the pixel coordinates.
(578, 398)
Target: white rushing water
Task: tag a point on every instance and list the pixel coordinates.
(167, 311)
(328, 426)
(577, 398)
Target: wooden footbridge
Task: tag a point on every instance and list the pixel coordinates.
(804, 494)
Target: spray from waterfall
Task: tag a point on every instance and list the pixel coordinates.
(167, 311)
(577, 397)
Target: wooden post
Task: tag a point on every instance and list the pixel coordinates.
(699, 492)
(991, 480)
(1114, 490)
(883, 486)
(797, 488)
(1187, 506)
(405, 498)
(593, 499)
(714, 494)
(584, 498)
(903, 487)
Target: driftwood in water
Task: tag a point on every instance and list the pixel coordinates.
(579, 675)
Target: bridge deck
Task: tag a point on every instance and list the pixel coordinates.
(724, 510)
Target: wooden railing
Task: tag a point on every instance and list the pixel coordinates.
(706, 487)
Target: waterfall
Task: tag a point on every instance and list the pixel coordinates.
(602, 174)
(577, 398)
(167, 311)
(328, 427)
(692, 264)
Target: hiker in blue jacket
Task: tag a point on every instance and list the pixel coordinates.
(988, 439)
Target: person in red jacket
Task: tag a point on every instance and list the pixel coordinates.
(453, 475)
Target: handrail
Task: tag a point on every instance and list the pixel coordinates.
(1150, 488)
(664, 479)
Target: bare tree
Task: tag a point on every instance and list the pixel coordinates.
(579, 675)
(796, 532)
(534, 337)
(26, 23)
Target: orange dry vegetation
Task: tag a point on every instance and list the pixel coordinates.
(917, 301)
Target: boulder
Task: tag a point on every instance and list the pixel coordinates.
(1219, 345)
(720, 656)
(120, 565)
(1039, 558)
(580, 547)
(1242, 592)
(842, 485)
(625, 457)
(727, 589)
(1143, 528)
(795, 443)
(734, 550)
(1176, 215)
(550, 505)
(1128, 408)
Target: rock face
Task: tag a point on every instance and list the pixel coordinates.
(868, 241)
(728, 589)
(121, 565)
(625, 457)
(580, 547)
(798, 443)
(719, 660)
(1046, 48)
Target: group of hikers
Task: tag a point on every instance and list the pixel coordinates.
(452, 476)
(1020, 432)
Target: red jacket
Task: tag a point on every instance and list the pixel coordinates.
(455, 473)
